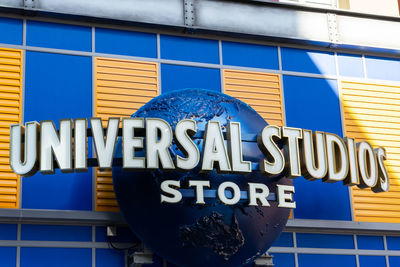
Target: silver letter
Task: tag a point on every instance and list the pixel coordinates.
(312, 159)
(214, 149)
(130, 142)
(234, 137)
(104, 148)
(29, 165)
(274, 162)
(254, 195)
(338, 160)
(168, 187)
(199, 190)
(81, 145)
(383, 183)
(59, 144)
(368, 170)
(157, 146)
(235, 192)
(183, 131)
(285, 194)
(291, 150)
(353, 176)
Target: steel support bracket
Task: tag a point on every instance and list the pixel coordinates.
(189, 13)
(333, 28)
(264, 260)
(30, 4)
(138, 258)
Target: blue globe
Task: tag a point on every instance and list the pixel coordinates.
(200, 235)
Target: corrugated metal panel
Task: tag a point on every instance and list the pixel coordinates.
(121, 87)
(10, 113)
(372, 113)
(262, 91)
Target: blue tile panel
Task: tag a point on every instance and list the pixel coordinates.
(372, 261)
(110, 257)
(318, 260)
(60, 36)
(124, 234)
(56, 257)
(8, 231)
(394, 261)
(383, 68)
(283, 260)
(174, 77)
(313, 103)
(300, 60)
(325, 241)
(250, 55)
(56, 232)
(284, 240)
(58, 87)
(393, 242)
(370, 242)
(8, 256)
(189, 49)
(11, 31)
(350, 65)
(128, 43)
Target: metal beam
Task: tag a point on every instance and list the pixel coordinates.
(250, 19)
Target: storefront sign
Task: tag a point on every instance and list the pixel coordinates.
(200, 177)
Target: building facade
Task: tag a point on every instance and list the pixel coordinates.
(319, 68)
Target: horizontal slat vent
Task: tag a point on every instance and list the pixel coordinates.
(262, 91)
(10, 113)
(372, 113)
(121, 88)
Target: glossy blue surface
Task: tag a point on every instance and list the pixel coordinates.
(284, 240)
(61, 36)
(318, 260)
(350, 65)
(110, 257)
(372, 261)
(8, 256)
(241, 233)
(283, 259)
(174, 77)
(250, 55)
(56, 257)
(393, 242)
(313, 103)
(11, 31)
(301, 60)
(324, 241)
(8, 231)
(56, 232)
(383, 68)
(189, 49)
(54, 93)
(370, 242)
(128, 43)
(394, 261)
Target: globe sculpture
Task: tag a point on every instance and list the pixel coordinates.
(187, 234)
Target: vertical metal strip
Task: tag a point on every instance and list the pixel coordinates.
(93, 247)
(339, 87)
(364, 67)
(221, 62)
(296, 258)
(159, 64)
(94, 177)
(386, 251)
(356, 248)
(18, 260)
